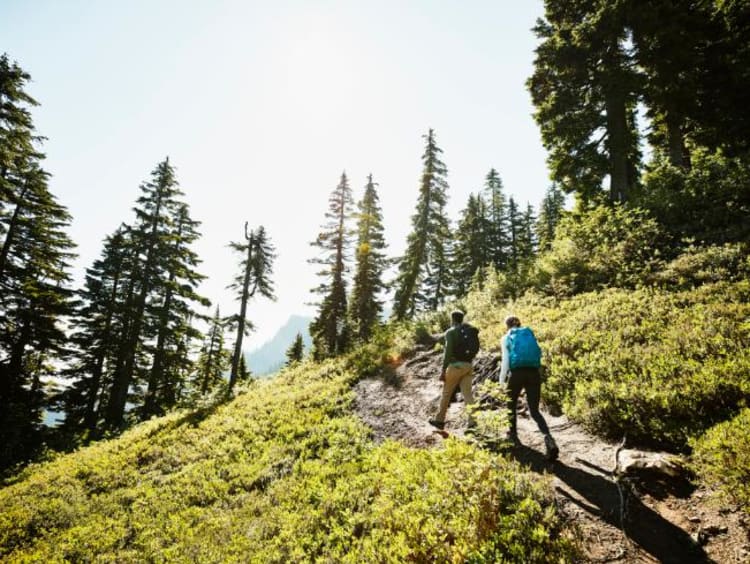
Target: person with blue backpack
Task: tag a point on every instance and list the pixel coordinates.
(461, 346)
(520, 369)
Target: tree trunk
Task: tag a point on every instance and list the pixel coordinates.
(11, 231)
(241, 320)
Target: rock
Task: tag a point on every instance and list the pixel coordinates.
(630, 460)
(694, 519)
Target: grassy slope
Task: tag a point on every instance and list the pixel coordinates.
(286, 472)
(661, 367)
(283, 473)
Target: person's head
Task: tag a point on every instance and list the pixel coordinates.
(457, 317)
(512, 321)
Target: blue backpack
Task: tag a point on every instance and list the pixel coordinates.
(523, 349)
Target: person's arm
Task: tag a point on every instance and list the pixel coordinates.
(505, 365)
(448, 352)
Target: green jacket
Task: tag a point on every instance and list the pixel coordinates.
(448, 358)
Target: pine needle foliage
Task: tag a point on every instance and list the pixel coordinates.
(366, 305)
(330, 330)
(422, 281)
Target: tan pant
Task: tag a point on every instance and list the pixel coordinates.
(456, 376)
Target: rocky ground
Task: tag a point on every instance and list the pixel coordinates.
(630, 505)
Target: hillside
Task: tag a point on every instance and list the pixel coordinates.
(305, 467)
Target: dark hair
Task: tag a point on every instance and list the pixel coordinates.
(457, 316)
(512, 321)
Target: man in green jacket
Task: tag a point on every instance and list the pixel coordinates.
(455, 372)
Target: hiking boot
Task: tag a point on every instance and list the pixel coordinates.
(437, 424)
(551, 446)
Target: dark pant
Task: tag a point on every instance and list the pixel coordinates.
(529, 379)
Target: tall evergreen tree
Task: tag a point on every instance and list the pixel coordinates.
(422, 270)
(585, 90)
(515, 236)
(214, 358)
(156, 298)
(173, 314)
(497, 218)
(34, 262)
(366, 305)
(527, 240)
(254, 277)
(94, 329)
(296, 350)
(474, 246)
(550, 213)
(329, 330)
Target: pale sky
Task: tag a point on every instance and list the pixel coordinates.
(261, 105)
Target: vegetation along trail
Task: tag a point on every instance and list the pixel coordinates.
(630, 505)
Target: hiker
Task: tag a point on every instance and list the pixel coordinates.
(520, 370)
(461, 346)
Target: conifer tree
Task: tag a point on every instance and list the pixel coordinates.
(515, 236)
(214, 358)
(422, 270)
(34, 261)
(156, 298)
(296, 350)
(550, 213)
(497, 219)
(584, 49)
(173, 315)
(95, 326)
(371, 262)
(472, 246)
(330, 330)
(254, 277)
(243, 372)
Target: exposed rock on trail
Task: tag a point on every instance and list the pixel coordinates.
(630, 505)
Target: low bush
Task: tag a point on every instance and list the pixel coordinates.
(607, 246)
(721, 458)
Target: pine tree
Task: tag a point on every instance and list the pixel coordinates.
(296, 350)
(515, 239)
(254, 277)
(214, 358)
(585, 89)
(243, 372)
(172, 323)
(154, 328)
(34, 261)
(550, 214)
(497, 228)
(422, 271)
(371, 262)
(473, 244)
(330, 330)
(96, 323)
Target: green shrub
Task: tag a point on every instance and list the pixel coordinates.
(599, 248)
(721, 457)
(709, 203)
(703, 265)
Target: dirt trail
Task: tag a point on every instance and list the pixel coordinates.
(643, 517)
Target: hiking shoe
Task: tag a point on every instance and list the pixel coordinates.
(551, 446)
(437, 424)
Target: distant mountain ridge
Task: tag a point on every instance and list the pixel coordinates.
(271, 356)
